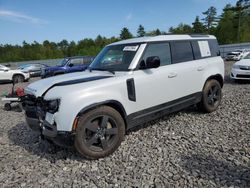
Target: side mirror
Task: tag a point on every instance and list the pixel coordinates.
(151, 62)
(71, 65)
(6, 70)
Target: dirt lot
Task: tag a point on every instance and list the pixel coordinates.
(185, 149)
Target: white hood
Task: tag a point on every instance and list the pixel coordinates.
(39, 87)
(243, 62)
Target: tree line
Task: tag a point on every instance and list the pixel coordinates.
(232, 26)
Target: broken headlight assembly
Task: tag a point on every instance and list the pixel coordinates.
(53, 105)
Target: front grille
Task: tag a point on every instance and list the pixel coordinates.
(242, 76)
(245, 67)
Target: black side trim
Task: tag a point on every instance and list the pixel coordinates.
(131, 89)
(155, 112)
(70, 82)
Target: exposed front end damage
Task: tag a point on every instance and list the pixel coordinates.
(40, 117)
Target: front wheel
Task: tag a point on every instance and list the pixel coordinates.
(211, 96)
(99, 132)
(18, 78)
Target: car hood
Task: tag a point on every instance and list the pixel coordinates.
(39, 88)
(243, 62)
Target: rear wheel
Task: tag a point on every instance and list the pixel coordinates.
(211, 96)
(18, 78)
(99, 132)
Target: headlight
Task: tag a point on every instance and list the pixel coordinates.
(53, 105)
(236, 66)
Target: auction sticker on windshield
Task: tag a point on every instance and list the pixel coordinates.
(130, 48)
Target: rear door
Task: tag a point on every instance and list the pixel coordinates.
(189, 69)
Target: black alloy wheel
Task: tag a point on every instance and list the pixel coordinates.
(211, 96)
(99, 132)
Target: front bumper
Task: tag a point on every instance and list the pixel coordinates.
(49, 132)
(27, 76)
(41, 126)
(240, 74)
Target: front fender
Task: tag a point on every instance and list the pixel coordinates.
(78, 101)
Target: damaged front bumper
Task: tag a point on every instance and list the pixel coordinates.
(38, 125)
(43, 123)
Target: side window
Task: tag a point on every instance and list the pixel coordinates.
(162, 50)
(181, 51)
(214, 47)
(86, 60)
(76, 61)
(196, 50)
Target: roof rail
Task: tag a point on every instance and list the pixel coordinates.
(198, 35)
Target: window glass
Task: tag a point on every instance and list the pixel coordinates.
(162, 50)
(115, 57)
(196, 50)
(214, 47)
(76, 61)
(181, 51)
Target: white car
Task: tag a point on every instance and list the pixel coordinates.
(8, 75)
(148, 77)
(241, 69)
(237, 55)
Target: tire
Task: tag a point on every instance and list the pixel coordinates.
(99, 132)
(211, 96)
(18, 78)
(7, 107)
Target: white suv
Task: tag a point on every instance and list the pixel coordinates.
(129, 83)
(8, 75)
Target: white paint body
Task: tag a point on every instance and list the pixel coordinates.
(153, 86)
(241, 67)
(6, 74)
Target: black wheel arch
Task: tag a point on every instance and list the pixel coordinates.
(217, 77)
(111, 103)
(18, 74)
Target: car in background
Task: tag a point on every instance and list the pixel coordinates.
(34, 69)
(241, 69)
(237, 55)
(68, 65)
(8, 75)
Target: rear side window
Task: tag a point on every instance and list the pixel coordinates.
(162, 50)
(214, 47)
(76, 61)
(181, 51)
(205, 48)
(196, 50)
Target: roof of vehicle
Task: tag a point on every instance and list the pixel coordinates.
(164, 38)
(75, 57)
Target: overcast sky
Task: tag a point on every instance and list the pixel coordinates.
(54, 20)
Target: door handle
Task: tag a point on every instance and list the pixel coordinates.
(172, 75)
(200, 68)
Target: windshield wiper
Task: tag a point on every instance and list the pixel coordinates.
(100, 69)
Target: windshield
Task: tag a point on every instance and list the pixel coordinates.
(115, 58)
(63, 62)
(247, 57)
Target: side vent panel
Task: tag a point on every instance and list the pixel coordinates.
(131, 89)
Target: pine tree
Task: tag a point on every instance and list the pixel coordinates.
(198, 27)
(210, 19)
(125, 34)
(141, 31)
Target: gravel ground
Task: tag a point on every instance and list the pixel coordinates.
(185, 149)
